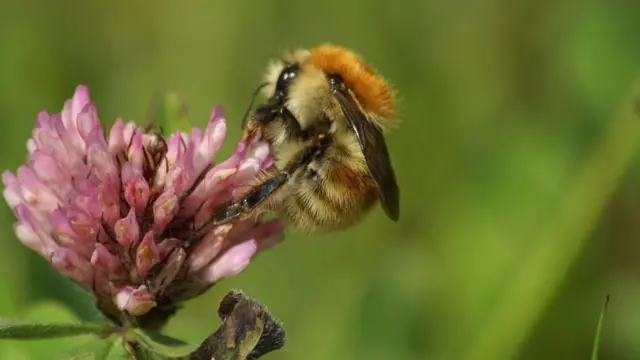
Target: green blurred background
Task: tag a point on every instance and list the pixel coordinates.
(516, 158)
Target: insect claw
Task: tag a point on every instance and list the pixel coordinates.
(250, 131)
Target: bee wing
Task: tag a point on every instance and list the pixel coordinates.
(375, 152)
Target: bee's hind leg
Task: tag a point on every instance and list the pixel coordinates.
(250, 201)
(264, 191)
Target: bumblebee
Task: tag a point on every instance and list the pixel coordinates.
(325, 113)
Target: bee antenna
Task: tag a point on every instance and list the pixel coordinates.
(253, 98)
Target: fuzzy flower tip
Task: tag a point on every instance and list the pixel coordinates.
(118, 214)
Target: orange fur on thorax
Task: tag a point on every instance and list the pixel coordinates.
(375, 95)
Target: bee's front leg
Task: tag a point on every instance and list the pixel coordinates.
(266, 114)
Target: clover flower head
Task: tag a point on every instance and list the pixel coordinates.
(124, 214)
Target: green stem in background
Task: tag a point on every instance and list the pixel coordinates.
(35, 331)
(596, 341)
(561, 242)
(168, 112)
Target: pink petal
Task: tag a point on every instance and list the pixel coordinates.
(72, 265)
(80, 100)
(134, 151)
(241, 148)
(195, 137)
(127, 230)
(46, 136)
(212, 141)
(208, 248)
(107, 263)
(87, 198)
(128, 172)
(211, 186)
(87, 121)
(47, 169)
(42, 120)
(34, 192)
(175, 150)
(102, 163)
(12, 189)
(250, 167)
(129, 130)
(147, 255)
(136, 302)
(182, 176)
(57, 140)
(116, 137)
(86, 227)
(109, 202)
(164, 209)
(136, 189)
(67, 236)
(71, 111)
(29, 237)
(30, 228)
(231, 263)
(31, 146)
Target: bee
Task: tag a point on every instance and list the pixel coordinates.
(324, 117)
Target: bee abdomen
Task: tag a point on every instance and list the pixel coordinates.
(331, 200)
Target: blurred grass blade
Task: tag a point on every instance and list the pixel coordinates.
(98, 349)
(167, 112)
(247, 331)
(596, 342)
(561, 240)
(22, 331)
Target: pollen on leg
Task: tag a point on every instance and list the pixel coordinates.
(227, 173)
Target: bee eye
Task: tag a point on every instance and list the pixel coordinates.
(285, 77)
(334, 79)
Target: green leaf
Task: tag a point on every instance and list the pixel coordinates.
(596, 342)
(120, 352)
(168, 112)
(141, 349)
(83, 304)
(164, 339)
(97, 349)
(163, 344)
(29, 331)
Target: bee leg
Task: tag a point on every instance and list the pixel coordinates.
(268, 113)
(250, 200)
(314, 133)
(256, 196)
(260, 193)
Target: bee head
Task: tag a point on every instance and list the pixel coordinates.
(302, 81)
